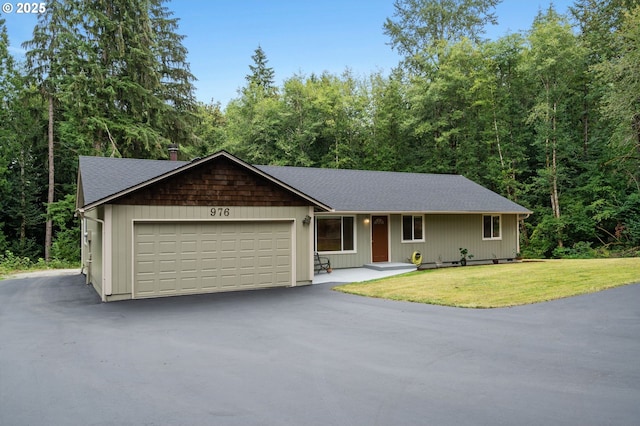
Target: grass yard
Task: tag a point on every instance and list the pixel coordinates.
(494, 286)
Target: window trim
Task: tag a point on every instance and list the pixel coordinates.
(492, 238)
(413, 217)
(341, 217)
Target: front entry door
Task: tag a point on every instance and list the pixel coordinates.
(380, 238)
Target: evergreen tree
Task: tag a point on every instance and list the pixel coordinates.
(21, 159)
(388, 145)
(127, 89)
(254, 118)
(48, 58)
(262, 76)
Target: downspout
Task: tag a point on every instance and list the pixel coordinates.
(101, 222)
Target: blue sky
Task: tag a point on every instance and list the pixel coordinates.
(298, 37)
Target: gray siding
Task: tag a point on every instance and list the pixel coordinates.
(446, 234)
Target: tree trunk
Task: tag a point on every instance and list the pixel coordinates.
(585, 126)
(50, 195)
(636, 128)
(23, 201)
(509, 189)
(555, 201)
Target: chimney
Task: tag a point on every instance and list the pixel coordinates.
(173, 152)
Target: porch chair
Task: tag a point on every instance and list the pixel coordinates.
(322, 264)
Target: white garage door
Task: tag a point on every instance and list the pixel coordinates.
(174, 258)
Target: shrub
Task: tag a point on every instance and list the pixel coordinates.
(11, 262)
(580, 250)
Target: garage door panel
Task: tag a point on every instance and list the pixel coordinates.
(282, 261)
(166, 265)
(228, 246)
(186, 258)
(189, 264)
(208, 265)
(146, 247)
(282, 275)
(208, 246)
(168, 247)
(188, 246)
(167, 284)
(209, 283)
(188, 283)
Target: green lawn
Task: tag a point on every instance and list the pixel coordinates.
(493, 286)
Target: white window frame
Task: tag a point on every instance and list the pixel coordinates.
(342, 250)
(413, 218)
(493, 237)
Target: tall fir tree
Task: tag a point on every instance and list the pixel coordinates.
(262, 76)
(21, 159)
(49, 54)
(127, 89)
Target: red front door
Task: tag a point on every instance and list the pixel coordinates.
(380, 238)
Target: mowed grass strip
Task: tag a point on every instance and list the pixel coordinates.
(495, 286)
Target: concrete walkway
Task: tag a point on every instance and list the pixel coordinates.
(354, 275)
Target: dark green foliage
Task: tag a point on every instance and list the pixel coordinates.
(261, 76)
(116, 77)
(119, 74)
(22, 155)
(530, 116)
(66, 247)
(548, 118)
(420, 30)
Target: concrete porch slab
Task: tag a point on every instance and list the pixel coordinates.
(354, 275)
(389, 266)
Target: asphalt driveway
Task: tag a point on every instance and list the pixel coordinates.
(312, 356)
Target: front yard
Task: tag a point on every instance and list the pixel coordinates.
(494, 286)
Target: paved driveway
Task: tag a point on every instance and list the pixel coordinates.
(311, 356)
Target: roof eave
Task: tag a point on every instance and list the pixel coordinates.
(338, 211)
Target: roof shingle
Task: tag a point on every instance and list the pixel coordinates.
(343, 190)
(376, 191)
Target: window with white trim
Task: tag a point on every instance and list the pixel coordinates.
(335, 233)
(412, 228)
(491, 229)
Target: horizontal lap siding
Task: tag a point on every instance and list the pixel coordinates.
(446, 234)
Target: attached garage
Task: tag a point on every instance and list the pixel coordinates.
(178, 258)
(156, 228)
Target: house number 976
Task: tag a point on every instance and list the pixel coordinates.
(220, 211)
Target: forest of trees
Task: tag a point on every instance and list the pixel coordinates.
(549, 118)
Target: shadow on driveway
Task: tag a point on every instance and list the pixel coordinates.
(312, 356)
